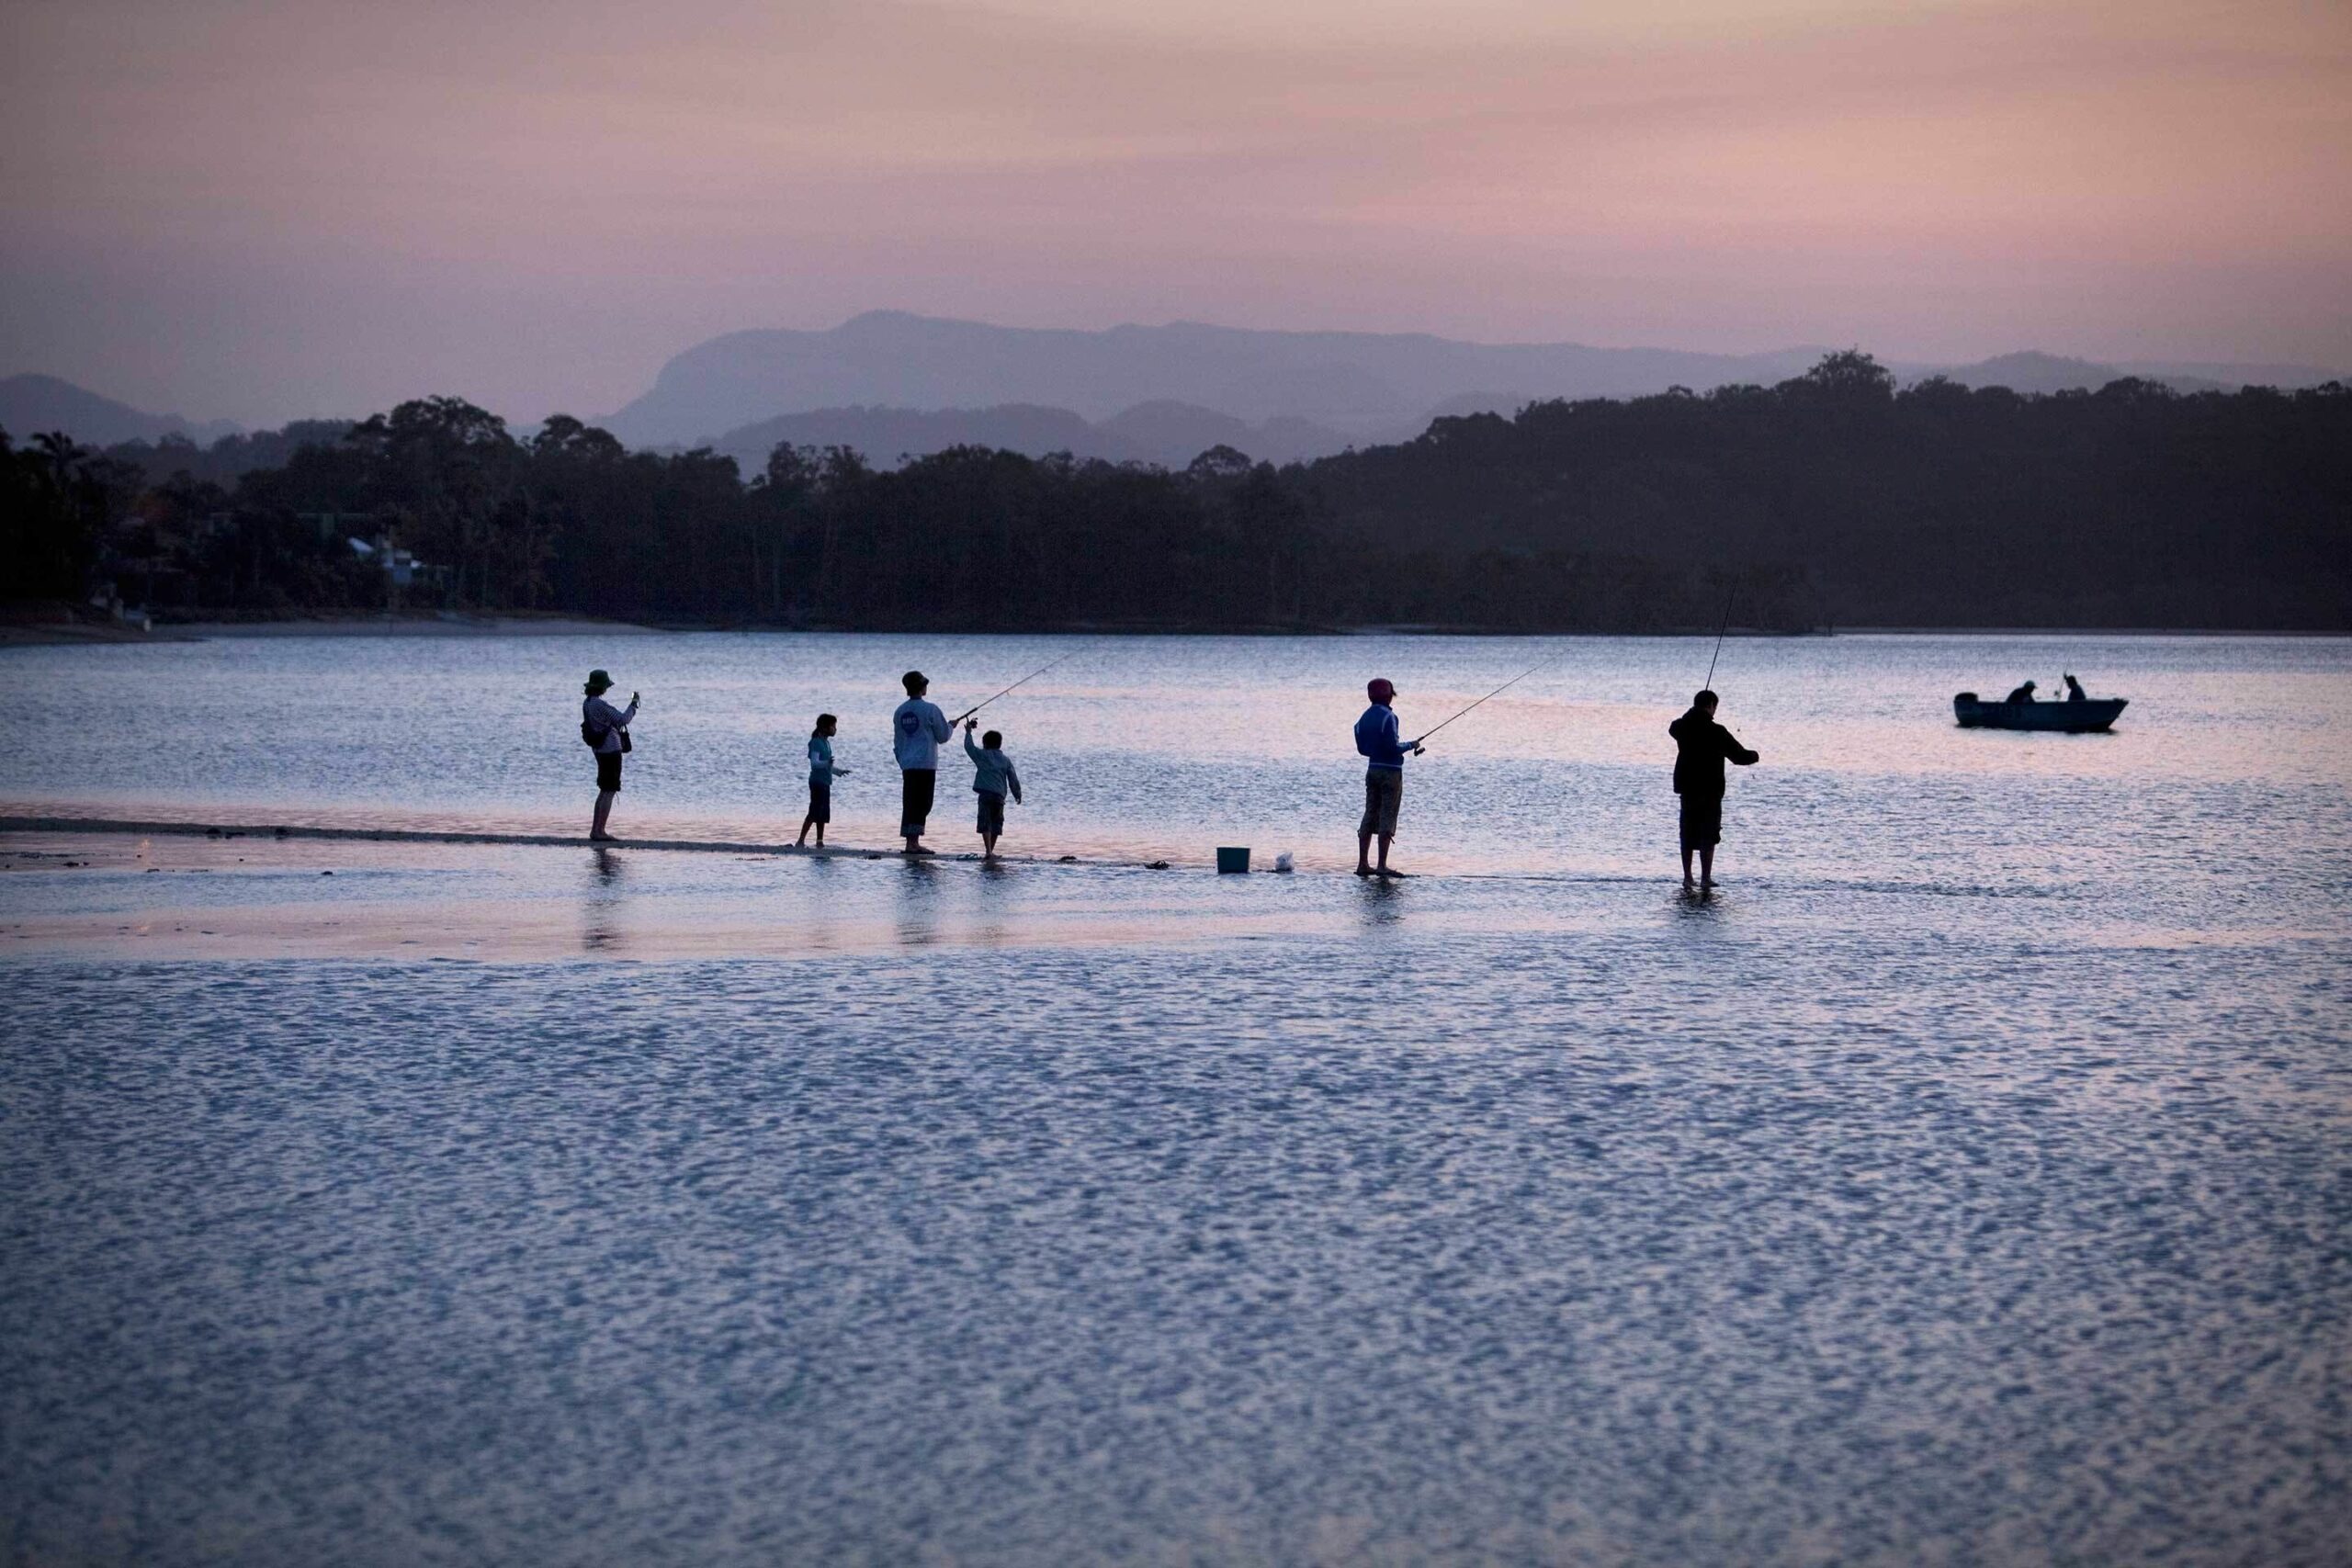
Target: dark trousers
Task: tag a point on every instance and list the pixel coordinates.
(916, 787)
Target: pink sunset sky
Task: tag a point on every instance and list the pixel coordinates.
(259, 209)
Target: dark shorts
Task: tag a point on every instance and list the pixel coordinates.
(820, 802)
(915, 789)
(1384, 792)
(608, 770)
(1702, 822)
(992, 812)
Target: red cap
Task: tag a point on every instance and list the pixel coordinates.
(1382, 689)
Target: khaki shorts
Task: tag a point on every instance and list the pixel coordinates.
(1384, 792)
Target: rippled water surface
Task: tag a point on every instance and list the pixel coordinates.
(1970, 1182)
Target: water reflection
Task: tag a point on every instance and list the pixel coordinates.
(814, 912)
(1382, 900)
(1699, 910)
(603, 929)
(918, 897)
(995, 889)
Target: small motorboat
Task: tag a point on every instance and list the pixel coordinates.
(2075, 715)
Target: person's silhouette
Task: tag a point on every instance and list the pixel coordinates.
(1702, 747)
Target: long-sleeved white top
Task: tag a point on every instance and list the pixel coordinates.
(916, 730)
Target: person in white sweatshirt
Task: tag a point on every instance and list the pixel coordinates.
(916, 730)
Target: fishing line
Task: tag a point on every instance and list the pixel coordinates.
(984, 702)
(1498, 692)
(1709, 683)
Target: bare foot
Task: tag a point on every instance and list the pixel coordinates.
(1391, 871)
(1363, 871)
(1689, 886)
(603, 838)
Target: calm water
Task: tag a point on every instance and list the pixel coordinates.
(1970, 1182)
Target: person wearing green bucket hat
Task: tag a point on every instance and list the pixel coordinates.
(605, 729)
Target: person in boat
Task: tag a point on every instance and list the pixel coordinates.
(1701, 748)
(2074, 692)
(2022, 695)
(1384, 778)
(605, 729)
(916, 730)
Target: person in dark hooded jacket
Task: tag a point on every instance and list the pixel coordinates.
(1702, 747)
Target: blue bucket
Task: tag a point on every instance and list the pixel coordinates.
(1233, 860)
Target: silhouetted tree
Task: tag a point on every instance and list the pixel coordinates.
(1832, 497)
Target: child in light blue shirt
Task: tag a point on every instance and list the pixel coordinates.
(821, 773)
(993, 773)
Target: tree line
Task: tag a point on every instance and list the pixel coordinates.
(1931, 505)
(1832, 498)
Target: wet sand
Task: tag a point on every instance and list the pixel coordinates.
(49, 633)
(180, 893)
(240, 829)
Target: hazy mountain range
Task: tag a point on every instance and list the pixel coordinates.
(1362, 385)
(1352, 387)
(894, 385)
(32, 404)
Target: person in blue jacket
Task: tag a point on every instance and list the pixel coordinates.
(1384, 778)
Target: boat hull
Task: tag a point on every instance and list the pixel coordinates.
(2068, 717)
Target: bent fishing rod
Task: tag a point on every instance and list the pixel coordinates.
(984, 702)
(1498, 692)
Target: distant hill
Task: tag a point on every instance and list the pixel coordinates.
(232, 456)
(1168, 434)
(2035, 372)
(2231, 375)
(33, 405)
(886, 434)
(1362, 385)
(1504, 403)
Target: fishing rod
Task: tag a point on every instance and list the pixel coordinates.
(1498, 692)
(1709, 683)
(1014, 687)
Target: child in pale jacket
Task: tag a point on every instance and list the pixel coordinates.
(993, 774)
(821, 773)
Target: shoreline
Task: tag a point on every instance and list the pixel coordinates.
(276, 832)
(63, 633)
(59, 633)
